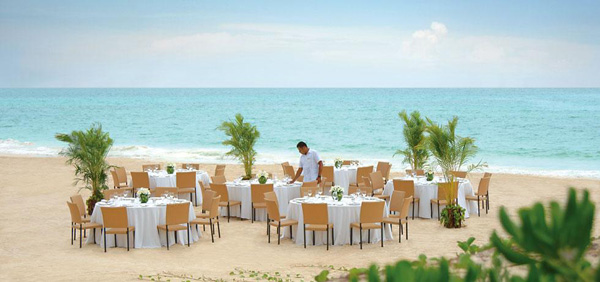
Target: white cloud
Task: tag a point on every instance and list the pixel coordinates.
(423, 43)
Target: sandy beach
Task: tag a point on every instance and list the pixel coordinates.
(34, 233)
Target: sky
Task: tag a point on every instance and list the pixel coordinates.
(299, 43)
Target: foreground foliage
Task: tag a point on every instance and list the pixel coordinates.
(551, 247)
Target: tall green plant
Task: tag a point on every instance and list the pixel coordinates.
(242, 138)
(86, 152)
(414, 135)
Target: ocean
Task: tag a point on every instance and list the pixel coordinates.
(552, 132)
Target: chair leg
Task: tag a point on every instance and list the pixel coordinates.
(104, 232)
(332, 236)
(360, 234)
(219, 229)
(229, 212)
(313, 237)
(350, 236)
(419, 208)
(399, 231)
(369, 236)
(133, 238)
(478, 208)
(127, 234)
(212, 230)
(328, 239)
(304, 229)
(71, 233)
(407, 230)
(80, 236)
(252, 213)
(94, 235)
(116, 241)
(267, 222)
(438, 206)
(430, 210)
(291, 233)
(175, 234)
(167, 237)
(188, 233)
(413, 204)
(279, 233)
(382, 235)
(269, 231)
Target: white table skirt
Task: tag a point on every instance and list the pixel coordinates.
(162, 179)
(341, 216)
(344, 176)
(144, 219)
(426, 191)
(241, 192)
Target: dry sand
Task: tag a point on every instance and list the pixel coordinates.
(34, 232)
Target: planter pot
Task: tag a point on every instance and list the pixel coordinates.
(170, 170)
(144, 198)
(452, 221)
(91, 203)
(262, 180)
(338, 164)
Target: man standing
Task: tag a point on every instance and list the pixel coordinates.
(310, 164)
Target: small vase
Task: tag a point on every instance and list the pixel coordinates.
(143, 198)
(170, 170)
(339, 196)
(338, 164)
(262, 180)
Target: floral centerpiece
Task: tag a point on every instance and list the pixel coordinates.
(262, 176)
(338, 162)
(143, 194)
(337, 193)
(170, 168)
(429, 174)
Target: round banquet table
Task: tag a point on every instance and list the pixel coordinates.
(240, 191)
(162, 179)
(427, 190)
(344, 176)
(341, 214)
(145, 218)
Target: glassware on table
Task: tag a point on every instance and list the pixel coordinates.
(319, 192)
(309, 194)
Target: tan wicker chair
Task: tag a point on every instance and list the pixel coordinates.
(218, 179)
(159, 191)
(400, 205)
(459, 174)
(384, 168)
(211, 219)
(316, 218)
(115, 221)
(327, 176)
(78, 223)
(378, 185)
(257, 192)
(289, 171)
(78, 200)
(371, 217)
(177, 215)
(408, 187)
(223, 193)
(207, 196)
(220, 170)
(117, 183)
(108, 193)
(443, 190)
(276, 220)
(139, 180)
(361, 173)
(186, 184)
(122, 174)
(481, 196)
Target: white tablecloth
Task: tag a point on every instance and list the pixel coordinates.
(241, 192)
(163, 179)
(344, 176)
(341, 214)
(427, 190)
(145, 218)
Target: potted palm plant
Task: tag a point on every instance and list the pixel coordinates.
(242, 138)
(414, 135)
(86, 152)
(451, 152)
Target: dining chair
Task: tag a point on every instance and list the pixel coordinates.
(109, 193)
(117, 183)
(211, 219)
(186, 184)
(202, 186)
(207, 196)
(151, 167)
(220, 170)
(139, 180)
(115, 221)
(159, 191)
(223, 193)
(276, 220)
(78, 223)
(459, 174)
(78, 200)
(328, 173)
(122, 174)
(283, 164)
(361, 173)
(316, 218)
(257, 193)
(177, 216)
(378, 185)
(305, 190)
(481, 195)
(408, 186)
(371, 217)
(385, 169)
(442, 194)
(399, 205)
(289, 171)
(191, 166)
(488, 175)
(218, 179)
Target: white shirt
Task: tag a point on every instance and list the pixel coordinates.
(310, 165)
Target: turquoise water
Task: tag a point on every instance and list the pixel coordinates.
(541, 131)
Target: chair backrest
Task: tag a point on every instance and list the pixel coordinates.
(150, 167)
(387, 167)
(445, 188)
(289, 171)
(315, 213)
(221, 190)
(363, 171)
(460, 174)
(115, 178)
(381, 167)
(272, 209)
(258, 192)
(484, 185)
(214, 207)
(108, 193)
(220, 170)
(218, 179)
(122, 174)
(78, 200)
(420, 172)
(114, 217)
(487, 174)
(140, 179)
(397, 201)
(159, 191)
(310, 184)
(377, 180)
(304, 190)
(352, 189)
(405, 207)
(371, 212)
(366, 186)
(207, 196)
(327, 173)
(191, 166)
(408, 186)
(75, 214)
(271, 196)
(283, 164)
(178, 213)
(202, 186)
(186, 179)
